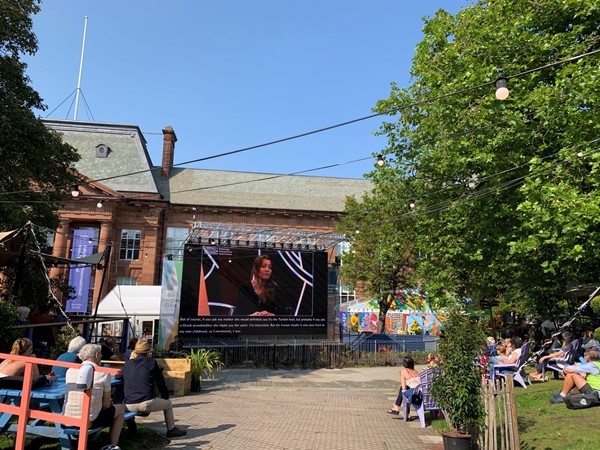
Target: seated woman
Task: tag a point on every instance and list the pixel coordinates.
(10, 368)
(69, 356)
(501, 354)
(543, 362)
(409, 380)
(257, 296)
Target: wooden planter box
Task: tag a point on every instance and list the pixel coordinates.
(177, 373)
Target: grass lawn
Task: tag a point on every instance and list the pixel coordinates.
(544, 426)
(146, 439)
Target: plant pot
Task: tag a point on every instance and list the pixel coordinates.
(195, 387)
(456, 441)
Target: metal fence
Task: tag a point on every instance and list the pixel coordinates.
(318, 354)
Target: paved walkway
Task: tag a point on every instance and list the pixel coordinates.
(263, 409)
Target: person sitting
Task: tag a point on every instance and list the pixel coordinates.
(574, 377)
(108, 346)
(501, 354)
(594, 341)
(69, 356)
(409, 379)
(130, 347)
(102, 412)
(543, 362)
(12, 368)
(140, 373)
(175, 346)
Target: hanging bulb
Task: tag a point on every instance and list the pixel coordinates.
(380, 161)
(75, 191)
(99, 204)
(412, 204)
(502, 91)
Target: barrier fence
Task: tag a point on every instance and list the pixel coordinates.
(501, 431)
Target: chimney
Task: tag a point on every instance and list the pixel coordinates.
(169, 140)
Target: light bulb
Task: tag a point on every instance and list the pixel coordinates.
(75, 191)
(502, 89)
(99, 204)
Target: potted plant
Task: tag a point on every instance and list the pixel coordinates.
(458, 387)
(204, 363)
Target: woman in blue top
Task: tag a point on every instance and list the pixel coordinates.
(70, 355)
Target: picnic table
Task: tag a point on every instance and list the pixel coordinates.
(45, 398)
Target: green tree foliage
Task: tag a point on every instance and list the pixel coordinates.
(36, 165)
(506, 191)
(381, 257)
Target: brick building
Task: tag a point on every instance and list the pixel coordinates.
(146, 211)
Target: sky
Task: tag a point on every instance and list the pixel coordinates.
(227, 75)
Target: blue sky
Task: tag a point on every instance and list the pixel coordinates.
(233, 74)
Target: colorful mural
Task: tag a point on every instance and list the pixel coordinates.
(408, 314)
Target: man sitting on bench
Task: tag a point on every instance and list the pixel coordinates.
(102, 412)
(574, 377)
(140, 372)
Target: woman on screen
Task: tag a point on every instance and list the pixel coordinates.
(257, 296)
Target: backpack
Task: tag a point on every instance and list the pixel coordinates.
(580, 401)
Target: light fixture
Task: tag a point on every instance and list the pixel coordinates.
(75, 191)
(412, 204)
(356, 230)
(501, 88)
(99, 204)
(380, 161)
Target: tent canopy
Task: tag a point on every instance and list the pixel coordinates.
(137, 300)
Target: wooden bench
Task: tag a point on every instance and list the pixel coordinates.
(94, 432)
(177, 373)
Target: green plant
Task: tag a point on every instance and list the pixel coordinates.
(205, 362)
(8, 318)
(458, 387)
(65, 335)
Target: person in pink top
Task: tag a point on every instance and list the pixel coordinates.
(409, 379)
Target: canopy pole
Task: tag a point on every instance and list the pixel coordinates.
(104, 265)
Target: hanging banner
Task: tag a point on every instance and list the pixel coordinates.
(79, 275)
(170, 295)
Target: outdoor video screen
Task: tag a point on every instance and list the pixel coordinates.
(245, 291)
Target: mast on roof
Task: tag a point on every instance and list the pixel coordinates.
(80, 69)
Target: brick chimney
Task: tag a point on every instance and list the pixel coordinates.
(169, 140)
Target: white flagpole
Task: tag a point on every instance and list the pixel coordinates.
(80, 69)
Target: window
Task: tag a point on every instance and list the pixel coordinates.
(124, 281)
(130, 244)
(175, 239)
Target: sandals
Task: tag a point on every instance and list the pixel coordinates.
(391, 411)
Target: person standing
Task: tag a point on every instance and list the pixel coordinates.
(102, 411)
(140, 373)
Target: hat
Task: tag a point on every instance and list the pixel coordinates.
(142, 347)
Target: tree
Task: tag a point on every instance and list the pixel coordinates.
(506, 190)
(381, 257)
(37, 167)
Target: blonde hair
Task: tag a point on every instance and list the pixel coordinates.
(20, 346)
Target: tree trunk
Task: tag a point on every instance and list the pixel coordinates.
(383, 309)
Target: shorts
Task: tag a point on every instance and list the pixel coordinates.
(105, 418)
(586, 389)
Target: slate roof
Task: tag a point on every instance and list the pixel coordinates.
(198, 187)
(127, 153)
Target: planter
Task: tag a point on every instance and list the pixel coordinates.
(455, 441)
(195, 387)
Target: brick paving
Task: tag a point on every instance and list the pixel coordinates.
(263, 409)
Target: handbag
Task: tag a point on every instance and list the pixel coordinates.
(416, 398)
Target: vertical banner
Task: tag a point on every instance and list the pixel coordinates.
(79, 275)
(170, 295)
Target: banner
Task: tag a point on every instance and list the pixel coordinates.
(170, 295)
(79, 275)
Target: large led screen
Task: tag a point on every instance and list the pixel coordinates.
(245, 291)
